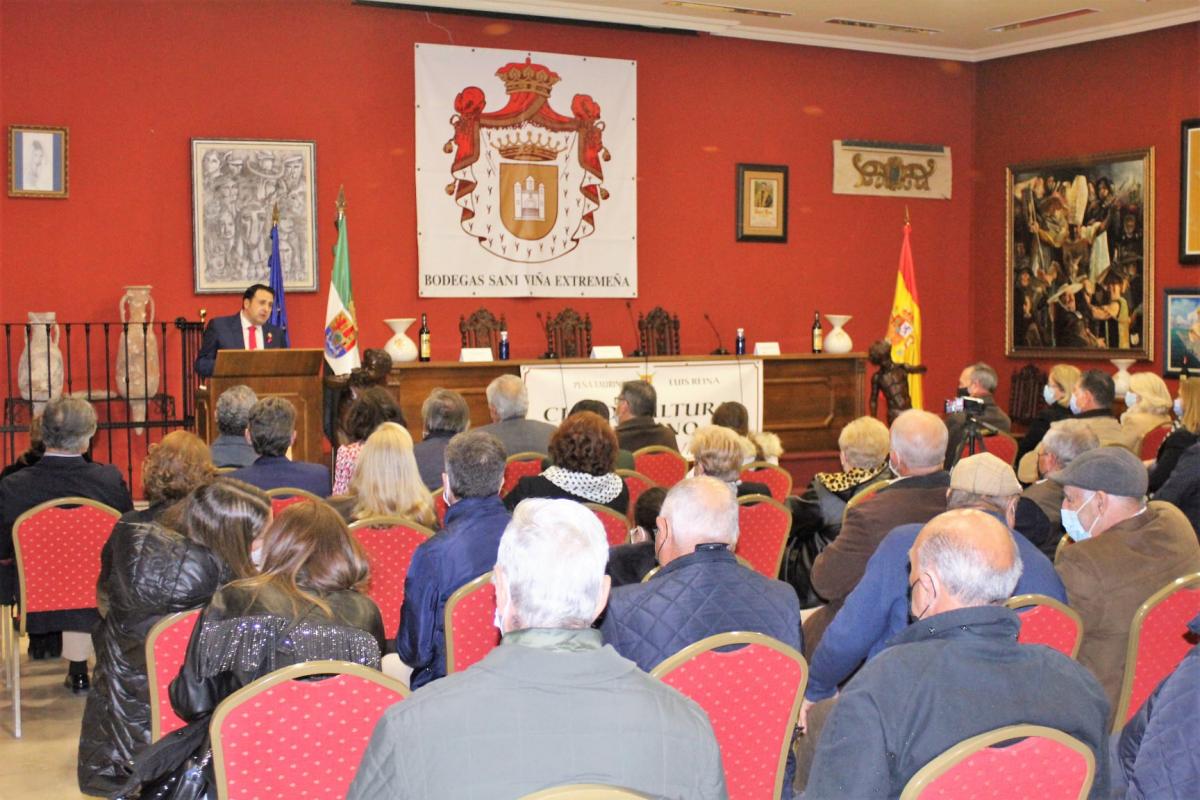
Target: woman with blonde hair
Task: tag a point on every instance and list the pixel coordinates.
(386, 481)
(1060, 383)
(1148, 404)
(1186, 434)
(718, 453)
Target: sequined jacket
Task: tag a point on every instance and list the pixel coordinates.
(241, 637)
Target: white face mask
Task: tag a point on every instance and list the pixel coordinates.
(1178, 405)
(1130, 399)
(1072, 525)
(1048, 394)
(1074, 405)
(256, 556)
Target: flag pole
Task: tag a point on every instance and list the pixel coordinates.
(341, 203)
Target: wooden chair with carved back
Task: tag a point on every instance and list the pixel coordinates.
(658, 332)
(482, 329)
(1025, 394)
(568, 335)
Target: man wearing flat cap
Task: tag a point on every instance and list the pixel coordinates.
(1123, 550)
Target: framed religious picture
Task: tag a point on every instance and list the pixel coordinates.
(762, 196)
(1079, 274)
(37, 161)
(237, 185)
(1181, 332)
(1189, 193)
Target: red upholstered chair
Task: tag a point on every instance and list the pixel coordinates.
(616, 526)
(440, 507)
(57, 546)
(752, 697)
(285, 496)
(521, 465)
(636, 483)
(1153, 440)
(1045, 620)
(660, 464)
(777, 479)
(1046, 764)
(1001, 445)
(390, 543)
(470, 632)
(1157, 642)
(763, 527)
(166, 646)
(282, 737)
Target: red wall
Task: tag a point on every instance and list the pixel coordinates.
(135, 80)
(1117, 94)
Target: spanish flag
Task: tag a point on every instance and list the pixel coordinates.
(904, 325)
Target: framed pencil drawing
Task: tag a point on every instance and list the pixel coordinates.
(236, 185)
(1189, 193)
(37, 161)
(1080, 257)
(762, 197)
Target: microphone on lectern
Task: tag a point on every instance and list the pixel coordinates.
(637, 334)
(720, 351)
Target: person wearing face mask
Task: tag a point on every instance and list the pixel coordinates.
(1148, 405)
(1123, 550)
(463, 550)
(977, 381)
(561, 707)
(1039, 511)
(1186, 434)
(1060, 384)
(956, 672)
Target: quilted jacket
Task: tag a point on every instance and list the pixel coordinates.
(1157, 751)
(695, 596)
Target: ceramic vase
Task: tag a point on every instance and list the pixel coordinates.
(137, 352)
(40, 369)
(400, 347)
(837, 340)
(1121, 379)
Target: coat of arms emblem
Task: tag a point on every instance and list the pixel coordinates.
(528, 179)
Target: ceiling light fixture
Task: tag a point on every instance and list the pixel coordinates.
(1029, 23)
(754, 12)
(882, 26)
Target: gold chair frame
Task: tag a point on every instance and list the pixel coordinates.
(955, 754)
(283, 675)
(451, 603)
(624, 518)
(1135, 634)
(292, 491)
(585, 791)
(633, 473)
(755, 466)
(734, 638)
(391, 522)
(1017, 602)
(757, 499)
(151, 638)
(652, 449)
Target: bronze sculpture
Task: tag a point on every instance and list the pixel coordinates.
(891, 379)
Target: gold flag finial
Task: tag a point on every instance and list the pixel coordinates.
(341, 201)
(906, 220)
(275, 215)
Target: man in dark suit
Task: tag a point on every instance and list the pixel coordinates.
(271, 431)
(68, 424)
(636, 427)
(508, 402)
(246, 330)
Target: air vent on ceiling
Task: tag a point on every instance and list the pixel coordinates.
(882, 26)
(754, 12)
(1029, 23)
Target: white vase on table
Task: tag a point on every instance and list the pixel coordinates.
(837, 340)
(1121, 379)
(400, 347)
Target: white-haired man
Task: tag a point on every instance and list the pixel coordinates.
(976, 382)
(508, 403)
(955, 673)
(558, 707)
(1039, 512)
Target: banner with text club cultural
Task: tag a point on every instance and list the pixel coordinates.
(526, 174)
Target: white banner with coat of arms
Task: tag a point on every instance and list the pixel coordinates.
(526, 174)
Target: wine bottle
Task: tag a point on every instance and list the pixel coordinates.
(426, 345)
(818, 335)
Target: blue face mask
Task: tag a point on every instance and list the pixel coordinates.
(1130, 399)
(1048, 395)
(1074, 405)
(1179, 407)
(1072, 525)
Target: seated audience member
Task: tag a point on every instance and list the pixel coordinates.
(918, 445)
(386, 482)
(927, 691)
(372, 407)
(629, 563)
(1147, 405)
(584, 453)
(1182, 489)
(717, 452)
(1091, 402)
(877, 609)
(977, 382)
(624, 457)
(760, 446)
(1156, 753)
(305, 605)
(32, 454)
(342, 390)
(1039, 512)
(1060, 383)
(231, 448)
(1186, 434)
(443, 414)
(508, 402)
(68, 424)
(463, 550)
(271, 430)
(1123, 551)
(153, 567)
(636, 427)
(701, 589)
(567, 709)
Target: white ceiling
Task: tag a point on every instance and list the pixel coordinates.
(961, 25)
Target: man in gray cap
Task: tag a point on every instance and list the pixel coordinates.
(1123, 550)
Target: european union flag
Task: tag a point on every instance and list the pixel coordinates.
(275, 265)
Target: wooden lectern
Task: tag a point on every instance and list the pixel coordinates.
(294, 375)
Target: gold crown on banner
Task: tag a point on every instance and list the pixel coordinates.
(527, 77)
(531, 148)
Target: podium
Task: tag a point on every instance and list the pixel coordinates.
(294, 375)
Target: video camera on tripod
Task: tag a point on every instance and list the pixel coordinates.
(971, 407)
(974, 428)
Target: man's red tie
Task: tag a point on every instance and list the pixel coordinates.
(253, 337)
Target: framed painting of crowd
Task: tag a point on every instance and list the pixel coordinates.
(1080, 257)
(236, 186)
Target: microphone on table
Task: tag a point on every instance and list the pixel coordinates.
(720, 351)
(637, 333)
(549, 350)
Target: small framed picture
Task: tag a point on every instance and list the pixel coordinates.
(1189, 193)
(37, 161)
(1181, 332)
(761, 209)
